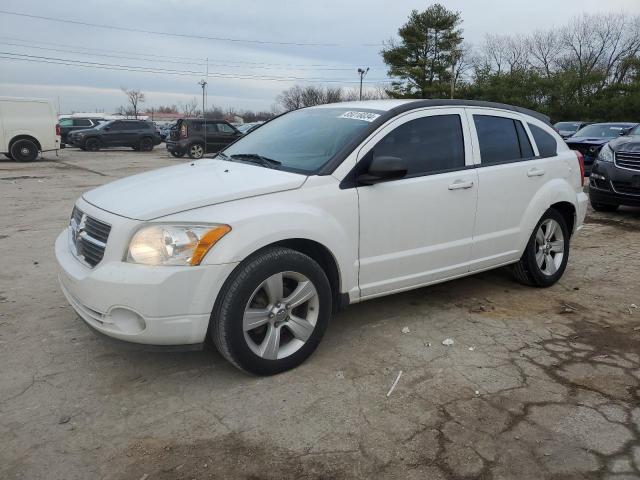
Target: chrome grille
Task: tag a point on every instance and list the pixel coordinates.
(87, 237)
(628, 160)
(626, 188)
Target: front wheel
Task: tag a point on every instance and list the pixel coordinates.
(146, 144)
(272, 311)
(196, 151)
(92, 145)
(24, 151)
(545, 257)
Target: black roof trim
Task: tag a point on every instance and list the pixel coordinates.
(345, 151)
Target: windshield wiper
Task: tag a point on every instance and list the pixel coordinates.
(257, 159)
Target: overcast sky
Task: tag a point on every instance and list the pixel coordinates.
(350, 33)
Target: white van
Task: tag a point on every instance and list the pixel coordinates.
(317, 209)
(27, 126)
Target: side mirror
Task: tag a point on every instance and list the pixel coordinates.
(383, 169)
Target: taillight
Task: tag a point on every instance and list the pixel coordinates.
(581, 162)
(184, 132)
(58, 129)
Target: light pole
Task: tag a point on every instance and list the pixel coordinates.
(362, 73)
(203, 84)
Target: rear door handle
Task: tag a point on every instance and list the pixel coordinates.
(535, 172)
(460, 184)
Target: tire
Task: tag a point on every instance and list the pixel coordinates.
(146, 144)
(8, 155)
(24, 151)
(529, 270)
(92, 145)
(604, 207)
(177, 154)
(195, 151)
(297, 331)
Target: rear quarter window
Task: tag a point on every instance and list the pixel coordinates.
(547, 144)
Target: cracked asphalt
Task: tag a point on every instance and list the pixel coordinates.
(539, 384)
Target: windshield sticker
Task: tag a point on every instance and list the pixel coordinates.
(365, 116)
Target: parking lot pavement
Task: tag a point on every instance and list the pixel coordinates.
(539, 383)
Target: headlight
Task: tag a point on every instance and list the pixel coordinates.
(606, 154)
(174, 244)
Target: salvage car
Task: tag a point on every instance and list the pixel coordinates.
(317, 209)
(615, 179)
(567, 129)
(137, 134)
(590, 139)
(188, 137)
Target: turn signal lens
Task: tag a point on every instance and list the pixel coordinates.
(207, 241)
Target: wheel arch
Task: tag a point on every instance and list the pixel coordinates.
(25, 137)
(568, 212)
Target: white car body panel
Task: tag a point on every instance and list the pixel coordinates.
(384, 238)
(32, 117)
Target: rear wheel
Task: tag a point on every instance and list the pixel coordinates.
(604, 207)
(196, 150)
(272, 312)
(92, 145)
(146, 144)
(545, 257)
(24, 151)
(8, 155)
(177, 154)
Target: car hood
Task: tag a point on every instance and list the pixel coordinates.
(628, 144)
(589, 140)
(191, 185)
(82, 130)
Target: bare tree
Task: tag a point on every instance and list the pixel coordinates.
(190, 109)
(135, 97)
(544, 50)
(298, 97)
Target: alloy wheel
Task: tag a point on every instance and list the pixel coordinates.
(196, 151)
(549, 246)
(281, 315)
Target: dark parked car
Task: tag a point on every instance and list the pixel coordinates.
(188, 137)
(615, 178)
(567, 129)
(590, 139)
(137, 134)
(70, 124)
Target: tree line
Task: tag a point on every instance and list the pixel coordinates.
(588, 69)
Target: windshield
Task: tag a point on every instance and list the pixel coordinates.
(304, 140)
(602, 130)
(104, 124)
(567, 126)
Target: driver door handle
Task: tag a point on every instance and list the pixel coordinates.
(460, 184)
(535, 172)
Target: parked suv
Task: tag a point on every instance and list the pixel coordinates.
(188, 137)
(137, 134)
(70, 124)
(316, 209)
(615, 179)
(590, 139)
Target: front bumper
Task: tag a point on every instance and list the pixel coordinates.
(139, 303)
(612, 185)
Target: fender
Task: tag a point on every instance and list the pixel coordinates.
(554, 191)
(319, 211)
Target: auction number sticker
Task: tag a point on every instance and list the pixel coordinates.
(366, 116)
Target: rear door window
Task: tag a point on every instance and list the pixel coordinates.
(547, 144)
(429, 145)
(502, 140)
(82, 122)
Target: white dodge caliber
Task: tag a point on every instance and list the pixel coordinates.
(316, 209)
